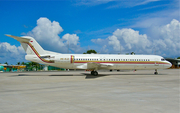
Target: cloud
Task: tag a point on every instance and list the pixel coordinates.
(47, 34)
(114, 3)
(162, 40)
(132, 38)
(11, 53)
(126, 40)
(72, 41)
(129, 4)
(113, 41)
(146, 2)
(104, 49)
(157, 18)
(100, 41)
(167, 38)
(92, 2)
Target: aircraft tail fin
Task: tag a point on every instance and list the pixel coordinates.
(30, 45)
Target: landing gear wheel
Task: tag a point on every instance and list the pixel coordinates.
(92, 72)
(155, 72)
(95, 73)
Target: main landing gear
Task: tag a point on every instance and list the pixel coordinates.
(155, 72)
(95, 73)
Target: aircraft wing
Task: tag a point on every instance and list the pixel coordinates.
(93, 65)
(105, 65)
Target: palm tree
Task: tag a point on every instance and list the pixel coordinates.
(22, 63)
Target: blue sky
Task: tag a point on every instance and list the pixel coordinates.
(108, 26)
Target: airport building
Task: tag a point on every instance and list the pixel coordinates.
(27, 67)
(11, 68)
(175, 62)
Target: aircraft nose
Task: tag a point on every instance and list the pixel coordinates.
(168, 65)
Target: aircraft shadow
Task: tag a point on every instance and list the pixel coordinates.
(89, 76)
(45, 75)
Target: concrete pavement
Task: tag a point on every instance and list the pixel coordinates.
(80, 92)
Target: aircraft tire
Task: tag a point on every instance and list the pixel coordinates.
(92, 72)
(95, 73)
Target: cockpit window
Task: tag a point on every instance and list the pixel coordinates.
(162, 59)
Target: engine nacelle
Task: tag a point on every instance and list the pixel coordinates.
(64, 59)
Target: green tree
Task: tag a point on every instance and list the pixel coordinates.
(90, 51)
(22, 63)
(132, 53)
(31, 65)
(18, 63)
(6, 63)
(178, 58)
(36, 65)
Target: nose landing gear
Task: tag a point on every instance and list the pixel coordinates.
(155, 72)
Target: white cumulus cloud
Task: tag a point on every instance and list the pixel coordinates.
(113, 41)
(126, 40)
(11, 53)
(47, 34)
(132, 38)
(167, 38)
(162, 40)
(71, 39)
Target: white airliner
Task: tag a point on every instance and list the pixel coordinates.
(93, 62)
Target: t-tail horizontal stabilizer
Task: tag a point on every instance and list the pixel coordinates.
(30, 45)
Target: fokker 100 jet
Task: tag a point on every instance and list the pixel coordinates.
(93, 62)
